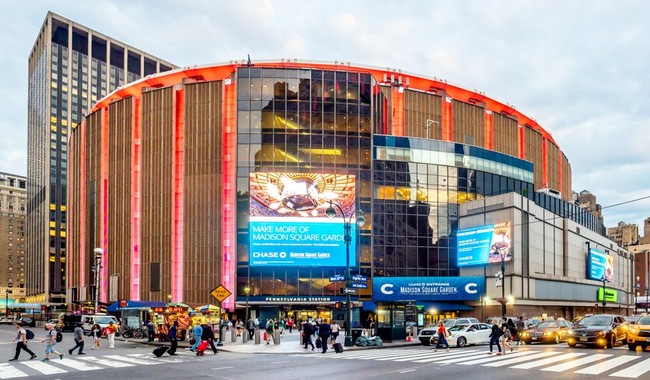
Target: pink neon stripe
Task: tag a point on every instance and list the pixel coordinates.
(135, 203)
(228, 193)
(177, 198)
(104, 205)
(82, 206)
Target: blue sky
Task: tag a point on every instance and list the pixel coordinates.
(580, 68)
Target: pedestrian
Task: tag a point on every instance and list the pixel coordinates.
(442, 336)
(513, 330)
(239, 326)
(172, 338)
(197, 331)
(50, 342)
(494, 336)
(324, 332)
(290, 325)
(109, 331)
(151, 331)
(79, 340)
(250, 326)
(281, 325)
(21, 337)
(96, 332)
(269, 330)
(208, 334)
(336, 329)
(506, 335)
(520, 326)
(307, 332)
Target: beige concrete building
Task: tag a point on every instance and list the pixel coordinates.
(13, 199)
(624, 234)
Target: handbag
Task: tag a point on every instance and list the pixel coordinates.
(192, 341)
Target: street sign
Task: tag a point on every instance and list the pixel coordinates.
(220, 293)
(358, 277)
(359, 285)
(337, 277)
(349, 291)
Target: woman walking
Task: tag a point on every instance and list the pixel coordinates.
(494, 336)
(442, 337)
(96, 333)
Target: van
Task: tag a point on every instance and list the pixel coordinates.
(68, 321)
(101, 319)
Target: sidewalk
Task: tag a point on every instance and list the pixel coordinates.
(289, 344)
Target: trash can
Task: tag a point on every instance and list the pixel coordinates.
(356, 333)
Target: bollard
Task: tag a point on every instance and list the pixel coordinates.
(257, 336)
(244, 336)
(276, 337)
(233, 335)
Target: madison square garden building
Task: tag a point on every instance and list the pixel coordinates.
(222, 175)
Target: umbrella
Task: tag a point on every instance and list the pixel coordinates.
(206, 308)
(178, 304)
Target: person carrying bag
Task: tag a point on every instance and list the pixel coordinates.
(442, 337)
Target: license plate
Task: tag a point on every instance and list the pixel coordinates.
(583, 339)
(647, 339)
(534, 338)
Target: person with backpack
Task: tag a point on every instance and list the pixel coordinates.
(22, 337)
(307, 332)
(50, 342)
(270, 327)
(79, 341)
(495, 335)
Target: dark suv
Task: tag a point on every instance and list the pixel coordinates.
(603, 330)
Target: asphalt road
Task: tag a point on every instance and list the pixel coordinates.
(130, 360)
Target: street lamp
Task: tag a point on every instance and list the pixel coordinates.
(503, 283)
(7, 303)
(347, 229)
(98, 273)
(646, 299)
(604, 292)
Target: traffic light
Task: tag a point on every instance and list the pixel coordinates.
(337, 305)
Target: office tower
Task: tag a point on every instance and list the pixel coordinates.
(70, 68)
(13, 211)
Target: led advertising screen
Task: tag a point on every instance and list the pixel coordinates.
(288, 222)
(600, 265)
(483, 245)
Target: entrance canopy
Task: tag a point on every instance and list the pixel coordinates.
(443, 306)
(134, 305)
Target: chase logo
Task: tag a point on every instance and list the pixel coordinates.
(387, 289)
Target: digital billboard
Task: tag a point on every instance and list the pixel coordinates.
(288, 222)
(483, 245)
(600, 265)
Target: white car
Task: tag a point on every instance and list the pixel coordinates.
(464, 335)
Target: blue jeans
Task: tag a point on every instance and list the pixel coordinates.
(495, 340)
(441, 338)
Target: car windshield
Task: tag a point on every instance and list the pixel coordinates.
(103, 320)
(595, 321)
(449, 322)
(643, 321)
(548, 325)
(457, 328)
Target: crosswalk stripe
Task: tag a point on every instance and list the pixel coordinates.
(80, 366)
(504, 362)
(413, 357)
(634, 371)
(44, 368)
(131, 360)
(539, 363)
(107, 363)
(397, 355)
(166, 359)
(576, 363)
(439, 357)
(8, 371)
(606, 365)
(491, 359)
(472, 358)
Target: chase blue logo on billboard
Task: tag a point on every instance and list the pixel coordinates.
(466, 288)
(288, 223)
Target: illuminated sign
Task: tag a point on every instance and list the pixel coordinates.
(483, 245)
(427, 288)
(600, 265)
(288, 222)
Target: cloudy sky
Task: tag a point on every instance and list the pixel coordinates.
(580, 68)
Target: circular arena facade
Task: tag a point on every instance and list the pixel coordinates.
(222, 175)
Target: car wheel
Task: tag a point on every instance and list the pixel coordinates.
(461, 342)
(425, 342)
(557, 338)
(611, 341)
(631, 347)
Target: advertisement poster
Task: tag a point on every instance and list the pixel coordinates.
(600, 265)
(483, 245)
(288, 222)
(427, 288)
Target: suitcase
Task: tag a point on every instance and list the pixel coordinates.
(338, 348)
(200, 349)
(160, 350)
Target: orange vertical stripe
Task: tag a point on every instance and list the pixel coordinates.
(489, 129)
(398, 110)
(522, 142)
(178, 140)
(544, 164)
(447, 123)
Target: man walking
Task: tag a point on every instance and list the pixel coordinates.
(197, 330)
(324, 332)
(270, 327)
(79, 340)
(21, 337)
(150, 331)
(250, 326)
(308, 331)
(50, 342)
(208, 334)
(172, 338)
